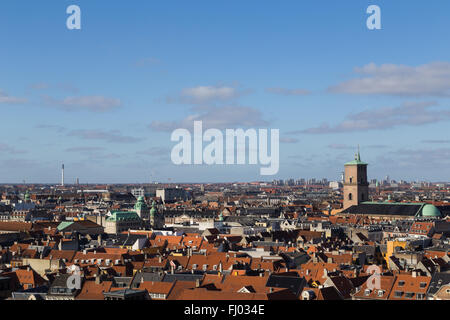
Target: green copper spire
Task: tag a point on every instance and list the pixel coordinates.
(357, 160)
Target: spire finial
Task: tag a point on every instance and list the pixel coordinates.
(358, 156)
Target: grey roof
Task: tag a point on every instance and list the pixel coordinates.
(60, 281)
(438, 280)
(123, 280)
(147, 276)
(300, 257)
(269, 244)
(295, 284)
(182, 277)
(368, 249)
(384, 209)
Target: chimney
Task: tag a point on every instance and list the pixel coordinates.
(414, 274)
(197, 283)
(98, 278)
(159, 259)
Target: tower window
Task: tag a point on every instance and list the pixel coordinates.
(351, 179)
(350, 196)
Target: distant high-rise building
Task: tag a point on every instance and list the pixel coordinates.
(62, 175)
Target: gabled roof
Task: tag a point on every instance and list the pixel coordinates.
(295, 284)
(385, 209)
(93, 291)
(438, 280)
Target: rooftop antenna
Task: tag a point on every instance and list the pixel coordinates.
(358, 156)
(62, 175)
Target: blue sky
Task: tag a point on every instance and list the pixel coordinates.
(104, 99)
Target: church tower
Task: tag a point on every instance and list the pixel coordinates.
(356, 186)
(141, 208)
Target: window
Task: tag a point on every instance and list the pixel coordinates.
(409, 295)
(367, 292)
(380, 293)
(401, 283)
(350, 196)
(420, 296)
(423, 285)
(398, 294)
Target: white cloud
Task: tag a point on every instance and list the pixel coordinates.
(113, 136)
(208, 94)
(6, 99)
(431, 79)
(288, 140)
(288, 92)
(410, 113)
(216, 117)
(89, 103)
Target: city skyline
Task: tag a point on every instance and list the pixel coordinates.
(103, 100)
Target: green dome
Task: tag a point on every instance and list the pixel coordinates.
(430, 211)
(27, 195)
(140, 204)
